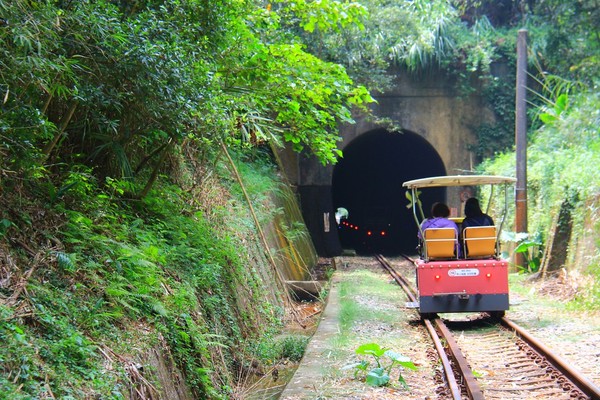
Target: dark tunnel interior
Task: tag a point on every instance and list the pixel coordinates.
(367, 182)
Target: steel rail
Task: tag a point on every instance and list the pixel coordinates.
(410, 293)
(473, 388)
(580, 381)
(448, 372)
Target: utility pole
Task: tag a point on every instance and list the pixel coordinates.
(521, 140)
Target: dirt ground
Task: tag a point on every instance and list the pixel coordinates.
(540, 307)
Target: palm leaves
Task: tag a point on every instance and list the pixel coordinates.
(430, 41)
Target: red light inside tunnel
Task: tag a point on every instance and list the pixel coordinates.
(382, 233)
(369, 233)
(356, 227)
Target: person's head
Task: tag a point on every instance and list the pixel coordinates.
(472, 208)
(440, 210)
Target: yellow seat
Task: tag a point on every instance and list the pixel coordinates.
(479, 241)
(440, 243)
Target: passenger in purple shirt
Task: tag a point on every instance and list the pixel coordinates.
(440, 213)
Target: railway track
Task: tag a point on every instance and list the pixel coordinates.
(483, 359)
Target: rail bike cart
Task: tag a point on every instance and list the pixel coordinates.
(474, 279)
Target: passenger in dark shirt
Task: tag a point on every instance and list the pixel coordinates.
(474, 216)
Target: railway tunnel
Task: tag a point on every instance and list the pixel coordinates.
(438, 124)
(367, 182)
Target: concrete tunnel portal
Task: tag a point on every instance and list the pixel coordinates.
(367, 182)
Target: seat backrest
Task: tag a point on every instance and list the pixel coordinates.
(440, 243)
(479, 241)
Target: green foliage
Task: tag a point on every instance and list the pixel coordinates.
(477, 51)
(417, 202)
(157, 263)
(569, 45)
(415, 35)
(273, 349)
(120, 87)
(293, 347)
(563, 167)
(38, 359)
(496, 137)
(349, 310)
(380, 375)
(5, 225)
(327, 15)
(531, 247)
(550, 115)
(589, 299)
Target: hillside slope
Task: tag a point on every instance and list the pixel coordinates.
(172, 296)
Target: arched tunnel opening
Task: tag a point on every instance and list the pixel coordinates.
(367, 182)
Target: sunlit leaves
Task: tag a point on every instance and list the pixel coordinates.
(371, 349)
(305, 96)
(551, 114)
(324, 15)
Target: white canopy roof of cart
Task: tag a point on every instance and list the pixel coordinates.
(458, 180)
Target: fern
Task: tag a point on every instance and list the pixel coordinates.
(64, 261)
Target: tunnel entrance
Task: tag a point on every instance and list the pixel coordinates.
(368, 183)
